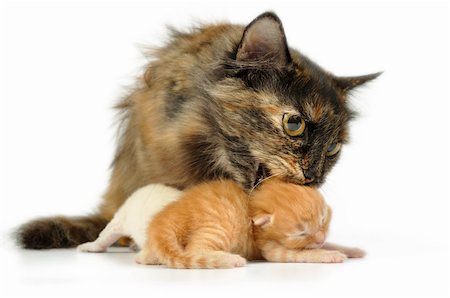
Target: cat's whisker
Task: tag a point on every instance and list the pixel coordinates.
(262, 180)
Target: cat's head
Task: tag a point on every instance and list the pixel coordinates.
(282, 113)
(294, 216)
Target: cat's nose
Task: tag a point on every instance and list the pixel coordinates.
(319, 237)
(309, 175)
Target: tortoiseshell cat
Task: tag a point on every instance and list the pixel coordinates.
(217, 225)
(221, 101)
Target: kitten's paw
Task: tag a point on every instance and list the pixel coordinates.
(144, 258)
(332, 256)
(232, 261)
(140, 258)
(90, 247)
(354, 252)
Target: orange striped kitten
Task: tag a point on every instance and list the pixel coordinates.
(217, 225)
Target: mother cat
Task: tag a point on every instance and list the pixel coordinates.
(222, 101)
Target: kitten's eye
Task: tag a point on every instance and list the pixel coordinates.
(297, 235)
(293, 124)
(333, 149)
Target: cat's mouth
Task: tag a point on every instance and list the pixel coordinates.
(262, 172)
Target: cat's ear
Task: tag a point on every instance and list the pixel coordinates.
(348, 83)
(262, 220)
(264, 41)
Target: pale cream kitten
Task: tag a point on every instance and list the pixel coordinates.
(132, 219)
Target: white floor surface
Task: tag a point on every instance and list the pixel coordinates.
(390, 269)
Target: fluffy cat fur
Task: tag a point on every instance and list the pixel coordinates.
(210, 106)
(217, 225)
(133, 217)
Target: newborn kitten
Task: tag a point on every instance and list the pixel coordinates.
(217, 225)
(132, 219)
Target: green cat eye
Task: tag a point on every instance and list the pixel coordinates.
(333, 149)
(293, 124)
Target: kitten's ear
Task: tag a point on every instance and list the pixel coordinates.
(264, 40)
(348, 83)
(262, 220)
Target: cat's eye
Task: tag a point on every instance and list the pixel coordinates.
(333, 149)
(293, 124)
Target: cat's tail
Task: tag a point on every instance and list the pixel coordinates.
(59, 231)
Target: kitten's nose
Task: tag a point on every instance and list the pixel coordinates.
(319, 237)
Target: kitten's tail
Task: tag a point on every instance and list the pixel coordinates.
(59, 231)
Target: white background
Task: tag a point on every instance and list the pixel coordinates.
(64, 65)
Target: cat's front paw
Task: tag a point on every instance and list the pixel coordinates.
(133, 246)
(354, 252)
(91, 247)
(332, 256)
